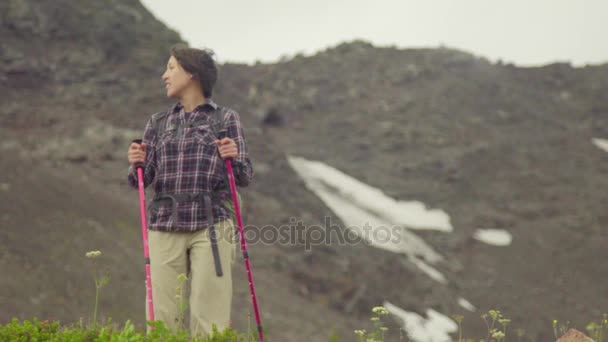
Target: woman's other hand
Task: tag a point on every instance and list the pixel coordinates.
(227, 148)
(136, 154)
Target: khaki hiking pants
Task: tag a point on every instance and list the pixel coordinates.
(172, 254)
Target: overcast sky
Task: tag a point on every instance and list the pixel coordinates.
(524, 32)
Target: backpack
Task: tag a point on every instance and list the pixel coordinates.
(159, 123)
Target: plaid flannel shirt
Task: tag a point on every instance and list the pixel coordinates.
(190, 163)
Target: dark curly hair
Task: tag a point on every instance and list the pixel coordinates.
(198, 62)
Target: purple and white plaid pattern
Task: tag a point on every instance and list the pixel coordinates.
(189, 163)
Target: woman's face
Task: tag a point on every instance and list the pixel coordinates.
(176, 79)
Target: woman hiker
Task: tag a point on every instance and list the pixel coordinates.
(183, 153)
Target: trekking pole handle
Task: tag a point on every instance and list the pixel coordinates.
(140, 164)
(221, 135)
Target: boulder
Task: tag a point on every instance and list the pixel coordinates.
(574, 335)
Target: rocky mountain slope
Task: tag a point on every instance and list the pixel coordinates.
(495, 146)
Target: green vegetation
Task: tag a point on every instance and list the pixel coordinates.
(38, 331)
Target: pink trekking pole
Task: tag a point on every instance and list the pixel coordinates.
(244, 249)
(144, 230)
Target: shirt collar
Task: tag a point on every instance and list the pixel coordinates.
(204, 107)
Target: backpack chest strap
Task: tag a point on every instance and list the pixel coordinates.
(215, 120)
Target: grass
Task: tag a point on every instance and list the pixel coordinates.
(498, 329)
(37, 331)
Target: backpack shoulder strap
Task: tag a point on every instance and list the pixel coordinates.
(159, 122)
(218, 124)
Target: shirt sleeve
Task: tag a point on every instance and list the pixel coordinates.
(149, 139)
(242, 167)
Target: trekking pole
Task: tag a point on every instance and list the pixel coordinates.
(144, 230)
(244, 249)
